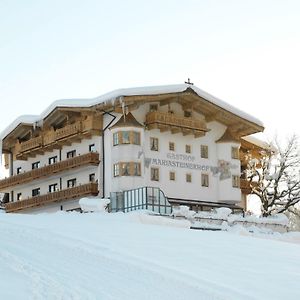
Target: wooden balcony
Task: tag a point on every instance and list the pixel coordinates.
(166, 121)
(91, 158)
(245, 186)
(67, 194)
(51, 139)
(68, 131)
(31, 144)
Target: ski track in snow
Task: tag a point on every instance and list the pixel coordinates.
(56, 281)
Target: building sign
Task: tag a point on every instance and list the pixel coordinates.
(184, 161)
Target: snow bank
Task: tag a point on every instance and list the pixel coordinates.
(148, 217)
(93, 204)
(183, 211)
(111, 256)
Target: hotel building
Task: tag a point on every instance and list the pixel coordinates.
(178, 141)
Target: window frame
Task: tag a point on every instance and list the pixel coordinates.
(235, 181)
(235, 152)
(54, 158)
(188, 149)
(36, 192)
(204, 180)
(154, 174)
(204, 151)
(73, 182)
(92, 148)
(71, 154)
(35, 165)
(55, 186)
(188, 177)
(154, 144)
(172, 175)
(171, 146)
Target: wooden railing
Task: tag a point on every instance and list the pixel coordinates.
(245, 186)
(168, 119)
(51, 138)
(32, 143)
(68, 130)
(67, 194)
(91, 158)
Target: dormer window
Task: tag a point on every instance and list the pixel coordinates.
(153, 107)
(187, 114)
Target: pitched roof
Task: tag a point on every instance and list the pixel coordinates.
(111, 97)
(127, 121)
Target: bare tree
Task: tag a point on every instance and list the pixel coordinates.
(275, 177)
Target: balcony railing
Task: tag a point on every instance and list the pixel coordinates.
(175, 123)
(31, 144)
(245, 186)
(68, 130)
(67, 194)
(50, 139)
(91, 158)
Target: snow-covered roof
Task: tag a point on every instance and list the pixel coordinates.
(112, 96)
(261, 144)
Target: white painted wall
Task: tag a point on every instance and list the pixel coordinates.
(218, 191)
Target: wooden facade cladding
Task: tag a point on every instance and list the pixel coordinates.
(67, 194)
(167, 121)
(91, 158)
(50, 139)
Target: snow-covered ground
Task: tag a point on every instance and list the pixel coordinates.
(136, 256)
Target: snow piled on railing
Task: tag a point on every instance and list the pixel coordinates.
(223, 219)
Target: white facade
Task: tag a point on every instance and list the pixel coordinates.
(180, 170)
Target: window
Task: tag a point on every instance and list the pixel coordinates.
(53, 188)
(172, 176)
(235, 181)
(154, 144)
(204, 180)
(136, 138)
(171, 146)
(116, 138)
(136, 169)
(71, 154)
(204, 151)
(36, 192)
(35, 165)
(154, 174)
(92, 177)
(19, 169)
(125, 137)
(92, 148)
(234, 152)
(188, 177)
(52, 160)
(71, 183)
(187, 114)
(153, 107)
(19, 196)
(125, 169)
(188, 149)
(116, 170)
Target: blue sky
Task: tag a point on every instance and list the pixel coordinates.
(244, 52)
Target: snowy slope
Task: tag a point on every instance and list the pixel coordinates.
(117, 256)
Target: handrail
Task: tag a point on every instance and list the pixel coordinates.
(164, 118)
(74, 162)
(70, 193)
